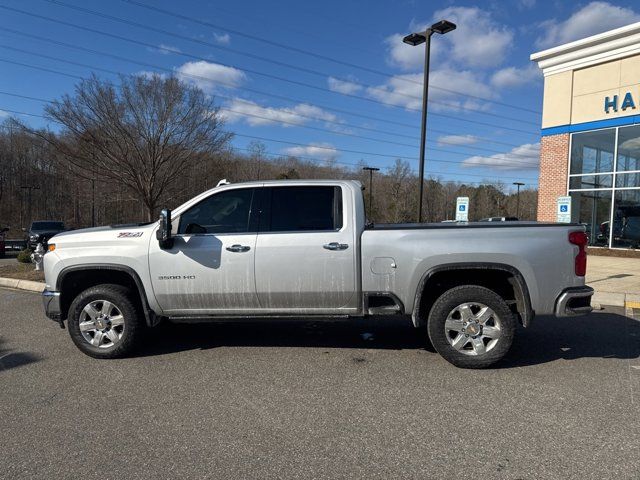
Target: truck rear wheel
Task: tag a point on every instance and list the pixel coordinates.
(471, 326)
(103, 321)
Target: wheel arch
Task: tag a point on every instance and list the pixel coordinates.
(503, 277)
(76, 278)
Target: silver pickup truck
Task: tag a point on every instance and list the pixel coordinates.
(303, 249)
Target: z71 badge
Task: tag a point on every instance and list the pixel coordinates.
(129, 234)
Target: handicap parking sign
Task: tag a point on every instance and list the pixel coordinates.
(462, 210)
(563, 212)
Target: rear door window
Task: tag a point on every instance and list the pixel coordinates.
(299, 209)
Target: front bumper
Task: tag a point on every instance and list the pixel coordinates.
(51, 302)
(574, 301)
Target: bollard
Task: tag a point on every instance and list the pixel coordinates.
(37, 256)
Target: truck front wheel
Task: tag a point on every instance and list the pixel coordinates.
(471, 326)
(103, 321)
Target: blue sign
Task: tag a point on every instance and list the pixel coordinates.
(563, 212)
(611, 103)
(462, 210)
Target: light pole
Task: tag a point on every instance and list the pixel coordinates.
(414, 39)
(518, 184)
(371, 170)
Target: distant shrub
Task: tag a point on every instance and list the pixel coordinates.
(25, 256)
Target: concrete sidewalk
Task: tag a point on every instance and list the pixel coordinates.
(615, 280)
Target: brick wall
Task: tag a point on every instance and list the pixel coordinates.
(554, 156)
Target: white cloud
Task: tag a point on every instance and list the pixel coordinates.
(321, 151)
(406, 90)
(342, 86)
(457, 140)
(222, 38)
(4, 114)
(524, 157)
(479, 41)
(208, 75)
(594, 18)
(257, 115)
(514, 77)
(167, 49)
(526, 4)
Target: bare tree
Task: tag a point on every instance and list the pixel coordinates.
(142, 133)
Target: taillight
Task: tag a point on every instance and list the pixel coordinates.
(580, 239)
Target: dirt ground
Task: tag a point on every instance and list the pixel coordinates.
(23, 271)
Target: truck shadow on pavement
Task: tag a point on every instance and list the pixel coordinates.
(599, 335)
(10, 359)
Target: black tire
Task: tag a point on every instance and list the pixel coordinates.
(454, 298)
(120, 297)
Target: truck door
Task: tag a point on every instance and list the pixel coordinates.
(210, 268)
(306, 250)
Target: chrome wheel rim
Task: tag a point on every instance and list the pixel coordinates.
(472, 328)
(101, 324)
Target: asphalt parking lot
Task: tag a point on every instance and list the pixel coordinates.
(318, 400)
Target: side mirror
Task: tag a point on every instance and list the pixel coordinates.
(163, 234)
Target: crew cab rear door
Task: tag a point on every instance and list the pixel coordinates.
(306, 250)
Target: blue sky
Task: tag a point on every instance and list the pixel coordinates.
(346, 75)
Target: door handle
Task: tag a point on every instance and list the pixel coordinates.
(335, 246)
(238, 248)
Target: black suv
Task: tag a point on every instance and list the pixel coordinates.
(41, 232)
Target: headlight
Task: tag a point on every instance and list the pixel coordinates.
(34, 237)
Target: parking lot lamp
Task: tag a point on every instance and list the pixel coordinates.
(415, 39)
(371, 170)
(518, 184)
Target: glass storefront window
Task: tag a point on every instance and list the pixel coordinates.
(625, 180)
(592, 152)
(626, 219)
(593, 210)
(628, 149)
(593, 185)
(591, 181)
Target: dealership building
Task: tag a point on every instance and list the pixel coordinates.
(590, 146)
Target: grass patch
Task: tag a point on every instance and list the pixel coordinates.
(22, 271)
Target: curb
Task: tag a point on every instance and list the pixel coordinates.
(18, 284)
(616, 299)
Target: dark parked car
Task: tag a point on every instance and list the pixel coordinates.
(42, 231)
(2, 245)
(499, 219)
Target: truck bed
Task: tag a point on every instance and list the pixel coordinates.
(424, 226)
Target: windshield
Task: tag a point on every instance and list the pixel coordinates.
(47, 226)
